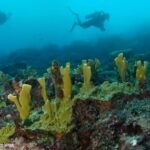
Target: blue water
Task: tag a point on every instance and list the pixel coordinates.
(35, 23)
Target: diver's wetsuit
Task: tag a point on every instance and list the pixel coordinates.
(96, 19)
(3, 18)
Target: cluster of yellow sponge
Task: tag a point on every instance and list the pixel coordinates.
(59, 116)
(121, 64)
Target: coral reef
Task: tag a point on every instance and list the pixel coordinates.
(67, 108)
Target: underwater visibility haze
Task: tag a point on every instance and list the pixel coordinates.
(34, 23)
(75, 75)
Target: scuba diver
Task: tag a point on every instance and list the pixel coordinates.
(96, 19)
(3, 17)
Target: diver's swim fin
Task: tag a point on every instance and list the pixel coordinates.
(74, 13)
(73, 26)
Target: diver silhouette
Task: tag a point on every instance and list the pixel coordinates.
(4, 17)
(96, 19)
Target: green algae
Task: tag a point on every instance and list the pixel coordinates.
(6, 132)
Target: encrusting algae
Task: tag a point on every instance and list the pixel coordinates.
(6, 132)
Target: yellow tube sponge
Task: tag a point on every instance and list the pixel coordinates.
(146, 65)
(87, 77)
(141, 70)
(43, 88)
(66, 81)
(23, 102)
(47, 104)
(121, 64)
